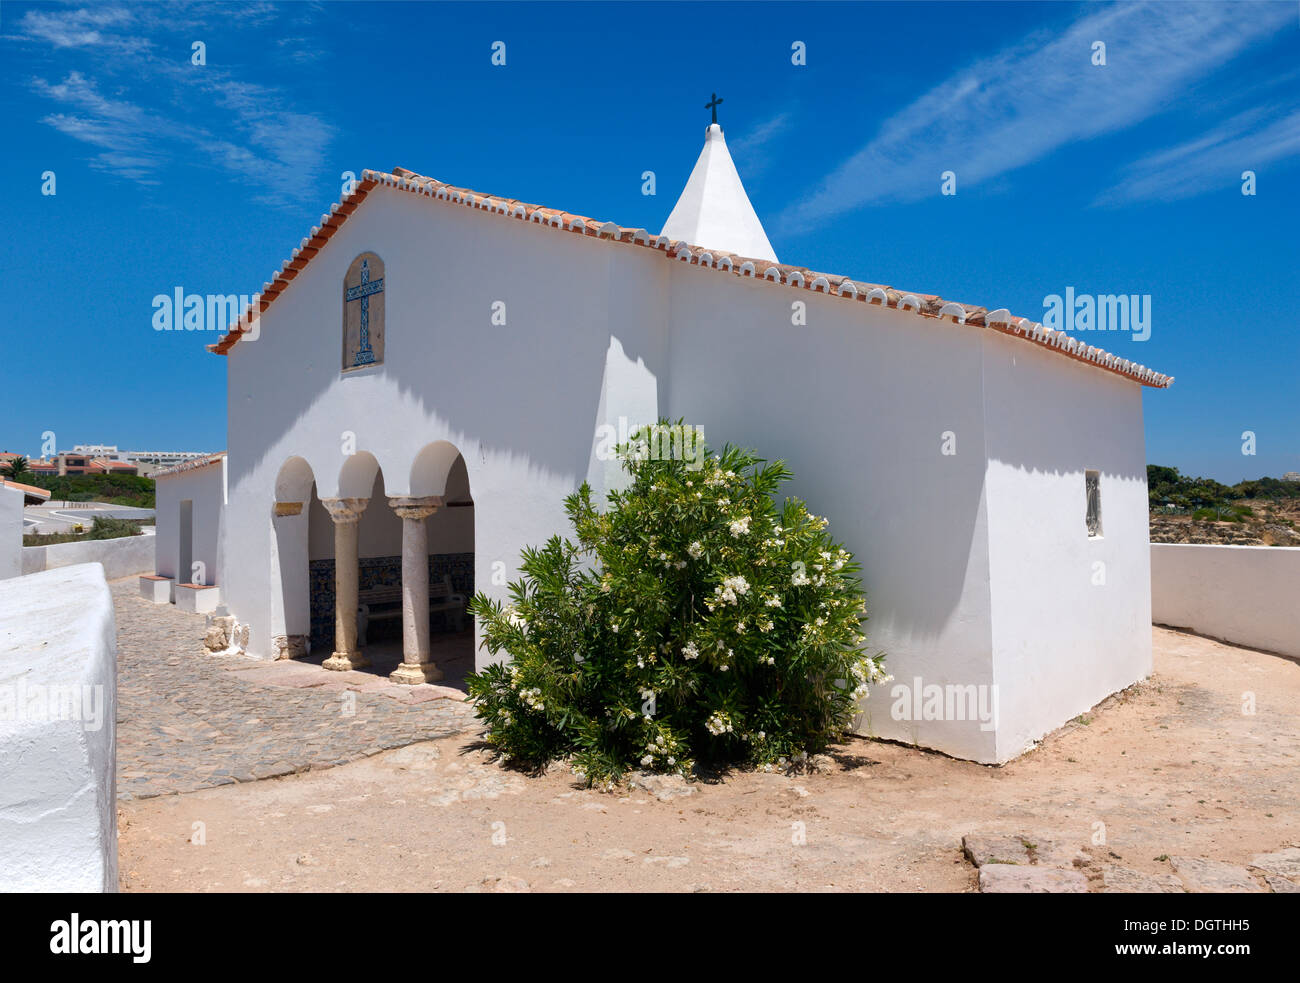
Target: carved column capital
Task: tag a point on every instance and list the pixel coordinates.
(415, 508)
(345, 510)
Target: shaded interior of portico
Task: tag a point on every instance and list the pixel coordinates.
(388, 537)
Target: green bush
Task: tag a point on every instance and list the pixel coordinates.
(120, 489)
(101, 528)
(113, 529)
(693, 622)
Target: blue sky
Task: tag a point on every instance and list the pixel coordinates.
(1122, 178)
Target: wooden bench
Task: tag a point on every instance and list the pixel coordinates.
(382, 603)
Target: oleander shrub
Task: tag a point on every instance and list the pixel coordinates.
(693, 622)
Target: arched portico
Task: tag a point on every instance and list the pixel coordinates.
(420, 552)
(290, 559)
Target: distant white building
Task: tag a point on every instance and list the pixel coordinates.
(989, 474)
(110, 452)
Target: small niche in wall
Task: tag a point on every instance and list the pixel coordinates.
(1092, 488)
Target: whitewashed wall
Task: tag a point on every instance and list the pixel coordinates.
(206, 488)
(1248, 595)
(119, 557)
(858, 401)
(520, 402)
(1071, 614)
(11, 532)
(58, 809)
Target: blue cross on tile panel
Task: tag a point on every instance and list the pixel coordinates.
(363, 292)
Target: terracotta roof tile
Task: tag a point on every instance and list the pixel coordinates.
(191, 465)
(30, 491)
(797, 277)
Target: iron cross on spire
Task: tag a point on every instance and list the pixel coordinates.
(714, 106)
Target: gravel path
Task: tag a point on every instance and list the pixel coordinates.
(188, 720)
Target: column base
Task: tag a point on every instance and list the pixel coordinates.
(343, 661)
(413, 674)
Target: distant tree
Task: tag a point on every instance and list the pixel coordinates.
(17, 469)
(1166, 484)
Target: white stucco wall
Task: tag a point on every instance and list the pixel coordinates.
(1248, 595)
(58, 818)
(1071, 614)
(205, 487)
(858, 401)
(525, 429)
(119, 557)
(11, 532)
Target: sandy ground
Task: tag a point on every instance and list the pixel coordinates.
(1172, 766)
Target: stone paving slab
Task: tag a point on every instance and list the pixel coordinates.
(189, 720)
(998, 878)
(1204, 876)
(1283, 863)
(1124, 880)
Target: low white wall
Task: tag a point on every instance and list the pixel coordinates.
(11, 532)
(1242, 594)
(119, 557)
(58, 713)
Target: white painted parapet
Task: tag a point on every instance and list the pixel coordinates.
(58, 713)
(11, 532)
(119, 557)
(1249, 595)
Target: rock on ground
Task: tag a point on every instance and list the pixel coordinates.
(1124, 880)
(1283, 863)
(1214, 876)
(1017, 879)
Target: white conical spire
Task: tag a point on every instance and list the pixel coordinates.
(714, 210)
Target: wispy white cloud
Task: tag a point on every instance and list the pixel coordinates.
(1216, 159)
(1034, 97)
(751, 149)
(81, 28)
(162, 114)
(764, 133)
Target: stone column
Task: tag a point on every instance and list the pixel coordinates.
(416, 667)
(346, 513)
(290, 582)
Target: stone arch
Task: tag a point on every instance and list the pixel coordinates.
(290, 558)
(431, 468)
(357, 475)
(293, 483)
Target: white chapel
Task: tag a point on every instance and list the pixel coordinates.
(416, 390)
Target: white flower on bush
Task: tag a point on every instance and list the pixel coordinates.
(731, 588)
(533, 698)
(690, 651)
(774, 601)
(718, 724)
(696, 550)
(740, 527)
(800, 578)
(516, 619)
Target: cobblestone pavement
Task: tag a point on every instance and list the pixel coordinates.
(187, 720)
